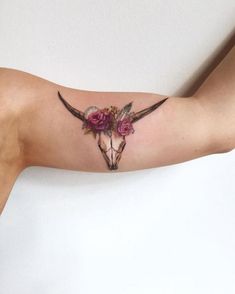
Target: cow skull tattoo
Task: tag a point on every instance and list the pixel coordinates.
(112, 125)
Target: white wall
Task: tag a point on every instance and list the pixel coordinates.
(164, 230)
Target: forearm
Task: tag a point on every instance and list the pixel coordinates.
(217, 97)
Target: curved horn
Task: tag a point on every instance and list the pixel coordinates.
(138, 115)
(79, 114)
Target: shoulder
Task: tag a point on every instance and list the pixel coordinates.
(18, 85)
(15, 78)
(11, 80)
(7, 74)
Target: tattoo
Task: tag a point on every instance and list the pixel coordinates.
(111, 125)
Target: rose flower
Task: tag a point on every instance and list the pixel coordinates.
(125, 127)
(99, 120)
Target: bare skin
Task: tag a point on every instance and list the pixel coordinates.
(37, 130)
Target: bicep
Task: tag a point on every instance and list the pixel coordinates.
(175, 132)
(178, 132)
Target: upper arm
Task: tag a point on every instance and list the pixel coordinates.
(178, 130)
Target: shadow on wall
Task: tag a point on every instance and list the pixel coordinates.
(52, 177)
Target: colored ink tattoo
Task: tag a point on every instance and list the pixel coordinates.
(111, 125)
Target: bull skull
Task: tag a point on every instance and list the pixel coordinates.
(111, 125)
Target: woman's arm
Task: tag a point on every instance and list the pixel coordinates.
(51, 135)
(37, 128)
(217, 96)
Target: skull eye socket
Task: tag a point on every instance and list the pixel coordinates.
(102, 145)
(121, 146)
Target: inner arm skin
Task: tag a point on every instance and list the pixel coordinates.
(37, 130)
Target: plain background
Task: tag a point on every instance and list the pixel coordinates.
(162, 230)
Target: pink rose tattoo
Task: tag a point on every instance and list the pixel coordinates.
(99, 120)
(125, 127)
(112, 125)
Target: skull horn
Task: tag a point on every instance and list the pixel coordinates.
(79, 114)
(138, 115)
